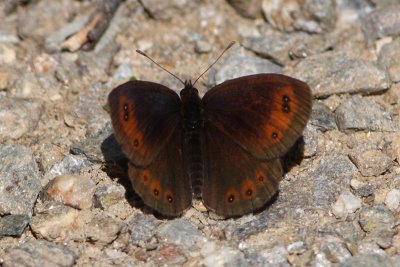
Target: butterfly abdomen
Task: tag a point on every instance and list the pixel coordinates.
(193, 158)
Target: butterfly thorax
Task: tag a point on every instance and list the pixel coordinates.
(191, 108)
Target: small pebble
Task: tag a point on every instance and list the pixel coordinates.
(392, 199)
(202, 47)
(72, 190)
(346, 203)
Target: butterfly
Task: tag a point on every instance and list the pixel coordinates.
(224, 148)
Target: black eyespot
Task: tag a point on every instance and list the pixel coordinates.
(249, 192)
(260, 178)
(274, 135)
(156, 192)
(136, 142)
(126, 113)
(285, 98)
(170, 199)
(231, 198)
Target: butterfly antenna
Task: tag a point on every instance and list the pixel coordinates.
(223, 52)
(145, 55)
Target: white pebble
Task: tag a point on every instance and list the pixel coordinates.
(345, 204)
(392, 199)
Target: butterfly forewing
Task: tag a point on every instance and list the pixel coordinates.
(264, 113)
(144, 115)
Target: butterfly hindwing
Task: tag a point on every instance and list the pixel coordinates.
(235, 182)
(264, 113)
(144, 115)
(163, 185)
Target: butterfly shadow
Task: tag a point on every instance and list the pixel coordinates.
(116, 166)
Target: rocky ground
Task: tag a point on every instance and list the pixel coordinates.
(65, 199)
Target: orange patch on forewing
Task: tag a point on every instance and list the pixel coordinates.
(231, 196)
(279, 120)
(248, 189)
(169, 196)
(273, 134)
(155, 189)
(145, 176)
(130, 126)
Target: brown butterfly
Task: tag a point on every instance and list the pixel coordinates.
(224, 148)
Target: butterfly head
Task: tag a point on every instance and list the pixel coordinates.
(189, 93)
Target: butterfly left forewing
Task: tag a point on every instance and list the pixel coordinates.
(144, 115)
(235, 182)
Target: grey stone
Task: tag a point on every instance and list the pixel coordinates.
(371, 162)
(87, 107)
(13, 225)
(335, 251)
(224, 256)
(375, 218)
(70, 164)
(335, 73)
(327, 179)
(19, 180)
(389, 56)
(103, 229)
(39, 253)
(56, 222)
(202, 47)
(18, 116)
(274, 256)
(361, 114)
(322, 118)
(372, 260)
(165, 10)
(108, 195)
(34, 22)
(237, 65)
(276, 46)
(312, 15)
(180, 232)
(142, 228)
(344, 230)
(246, 8)
(381, 22)
(365, 190)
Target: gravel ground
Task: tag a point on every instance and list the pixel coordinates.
(65, 199)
